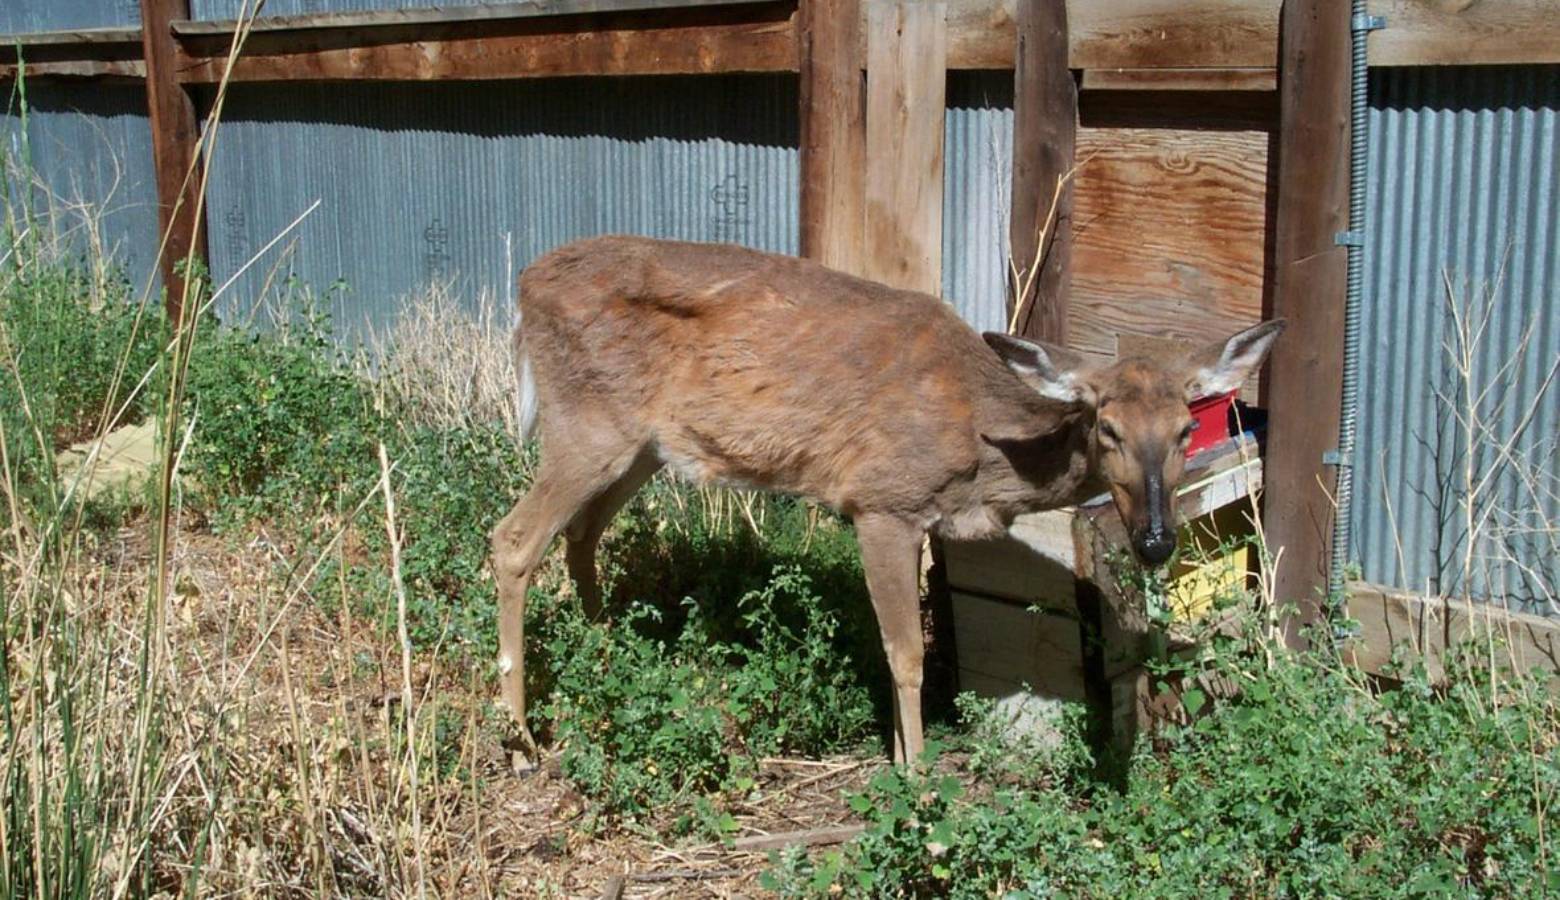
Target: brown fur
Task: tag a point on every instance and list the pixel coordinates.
(751, 369)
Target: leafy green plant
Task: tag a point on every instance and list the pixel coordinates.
(1307, 783)
(645, 723)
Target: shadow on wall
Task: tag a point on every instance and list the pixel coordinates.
(755, 109)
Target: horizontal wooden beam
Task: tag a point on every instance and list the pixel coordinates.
(443, 15)
(1177, 79)
(1114, 34)
(78, 53)
(757, 37)
(1435, 33)
(132, 69)
(1424, 628)
(74, 37)
(1120, 44)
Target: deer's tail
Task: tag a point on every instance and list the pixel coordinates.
(525, 385)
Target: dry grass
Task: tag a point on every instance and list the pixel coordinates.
(447, 363)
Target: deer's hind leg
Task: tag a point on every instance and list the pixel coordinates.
(583, 534)
(568, 481)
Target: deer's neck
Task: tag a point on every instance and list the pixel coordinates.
(1048, 471)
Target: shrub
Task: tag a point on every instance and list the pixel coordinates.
(645, 724)
(72, 349)
(1307, 784)
(452, 487)
(281, 424)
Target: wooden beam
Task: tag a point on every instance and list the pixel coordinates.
(1435, 32)
(1167, 79)
(746, 38)
(78, 53)
(907, 44)
(1424, 628)
(75, 37)
(175, 133)
(1304, 380)
(1112, 34)
(76, 68)
(441, 15)
(1045, 134)
(833, 133)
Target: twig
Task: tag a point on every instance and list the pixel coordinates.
(811, 837)
(1024, 280)
(408, 713)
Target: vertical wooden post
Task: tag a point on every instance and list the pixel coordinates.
(1045, 133)
(833, 132)
(907, 79)
(1304, 376)
(175, 131)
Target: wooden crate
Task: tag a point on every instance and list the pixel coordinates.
(1036, 609)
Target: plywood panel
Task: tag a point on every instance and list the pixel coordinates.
(1169, 235)
(906, 47)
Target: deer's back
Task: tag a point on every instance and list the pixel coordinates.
(758, 369)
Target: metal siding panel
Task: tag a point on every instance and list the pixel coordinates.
(23, 16)
(977, 172)
(93, 183)
(1462, 189)
(424, 181)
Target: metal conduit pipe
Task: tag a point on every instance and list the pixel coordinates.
(1361, 24)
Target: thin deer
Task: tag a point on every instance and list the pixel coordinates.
(750, 369)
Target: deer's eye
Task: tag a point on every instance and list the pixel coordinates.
(1186, 433)
(1109, 433)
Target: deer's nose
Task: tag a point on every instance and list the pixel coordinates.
(1154, 545)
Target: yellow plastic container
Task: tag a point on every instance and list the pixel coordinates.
(1209, 566)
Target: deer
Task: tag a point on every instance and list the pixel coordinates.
(732, 366)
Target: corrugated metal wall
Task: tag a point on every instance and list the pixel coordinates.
(1464, 187)
(424, 181)
(977, 173)
(22, 16)
(89, 151)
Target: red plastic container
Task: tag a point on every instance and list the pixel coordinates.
(1213, 418)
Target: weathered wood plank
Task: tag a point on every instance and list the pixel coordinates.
(175, 132)
(78, 53)
(74, 37)
(1426, 627)
(1438, 32)
(1005, 641)
(1045, 132)
(1032, 564)
(1169, 238)
(440, 15)
(1304, 372)
(1125, 33)
(906, 47)
(833, 133)
(748, 38)
(1179, 79)
(76, 68)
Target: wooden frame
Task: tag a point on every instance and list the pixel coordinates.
(1305, 386)
(175, 135)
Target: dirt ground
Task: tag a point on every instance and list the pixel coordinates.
(311, 699)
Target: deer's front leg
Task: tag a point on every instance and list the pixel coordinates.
(890, 553)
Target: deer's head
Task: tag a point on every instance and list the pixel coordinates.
(1140, 424)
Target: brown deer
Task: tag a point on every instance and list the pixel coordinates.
(746, 368)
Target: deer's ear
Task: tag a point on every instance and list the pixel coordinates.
(1224, 366)
(1052, 371)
